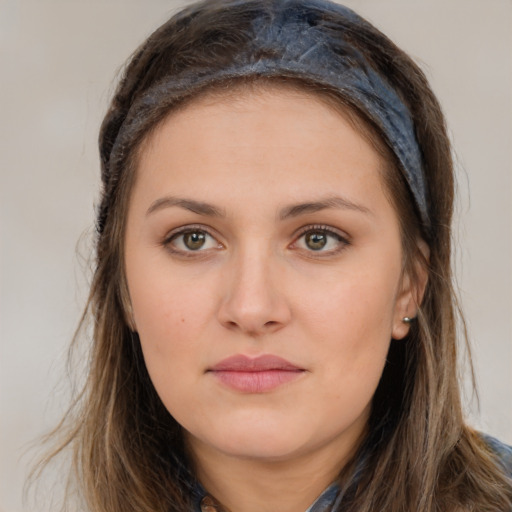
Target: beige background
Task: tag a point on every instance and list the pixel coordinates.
(57, 62)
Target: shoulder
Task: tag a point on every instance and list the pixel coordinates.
(502, 451)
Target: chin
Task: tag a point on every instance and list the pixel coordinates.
(269, 440)
(262, 447)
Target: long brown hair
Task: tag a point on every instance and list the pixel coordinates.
(419, 455)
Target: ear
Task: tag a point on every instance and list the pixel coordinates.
(410, 294)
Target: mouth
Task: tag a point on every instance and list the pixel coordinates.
(255, 375)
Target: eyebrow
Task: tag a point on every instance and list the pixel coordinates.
(209, 210)
(199, 207)
(323, 204)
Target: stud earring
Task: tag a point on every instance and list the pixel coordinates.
(407, 320)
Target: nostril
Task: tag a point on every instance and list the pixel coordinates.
(256, 313)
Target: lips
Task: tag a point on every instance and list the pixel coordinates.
(255, 375)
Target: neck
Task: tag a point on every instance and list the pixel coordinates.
(254, 485)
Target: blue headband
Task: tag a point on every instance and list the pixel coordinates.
(297, 42)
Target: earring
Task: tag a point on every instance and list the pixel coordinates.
(407, 320)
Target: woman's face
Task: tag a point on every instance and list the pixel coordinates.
(263, 261)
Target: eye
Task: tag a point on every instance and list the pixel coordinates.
(321, 239)
(191, 240)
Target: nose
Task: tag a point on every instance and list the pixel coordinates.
(253, 299)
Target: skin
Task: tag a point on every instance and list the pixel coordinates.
(256, 287)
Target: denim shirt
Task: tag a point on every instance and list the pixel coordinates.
(331, 497)
(502, 451)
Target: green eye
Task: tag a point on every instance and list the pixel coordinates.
(191, 240)
(321, 239)
(316, 240)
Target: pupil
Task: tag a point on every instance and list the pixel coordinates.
(316, 241)
(194, 240)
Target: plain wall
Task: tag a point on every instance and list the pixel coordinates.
(58, 60)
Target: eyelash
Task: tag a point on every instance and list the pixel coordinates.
(194, 228)
(342, 241)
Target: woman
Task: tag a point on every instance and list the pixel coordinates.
(273, 312)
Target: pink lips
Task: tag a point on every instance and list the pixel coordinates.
(255, 375)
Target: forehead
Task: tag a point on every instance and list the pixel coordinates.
(236, 92)
(239, 95)
(245, 116)
(258, 143)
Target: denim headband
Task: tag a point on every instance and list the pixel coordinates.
(293, 38)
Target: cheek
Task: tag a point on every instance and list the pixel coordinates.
(171, 314)
(170, 323)
(355, 306)
(165, 301)
(351, 326)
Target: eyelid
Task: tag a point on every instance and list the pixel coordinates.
(322, 227)
(343, 238)
(176, 232)
(183, 229)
